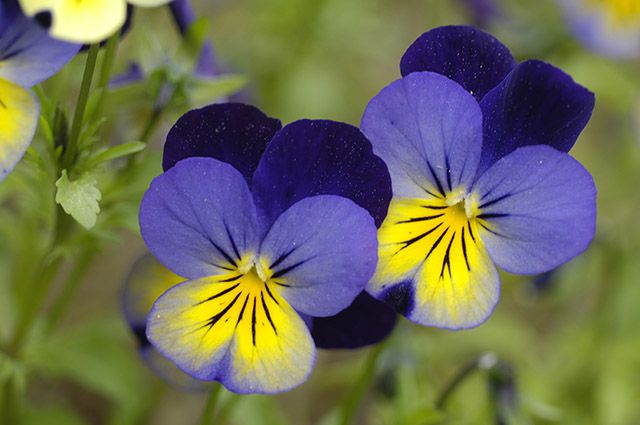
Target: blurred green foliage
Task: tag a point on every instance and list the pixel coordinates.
(572, 347)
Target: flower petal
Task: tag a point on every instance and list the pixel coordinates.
(19, 111)
(198, 218)
(365, 322)
(433, 268)
(471, 57)
(308, 158)
(80, 22)
(537, 209)
(147, 280)
(231, 132)
(238, 332)
(536, 104)
(27, 54)
(428, 130)
(321, 252)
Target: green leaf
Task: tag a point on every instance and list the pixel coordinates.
(79, 198)
(115, 152)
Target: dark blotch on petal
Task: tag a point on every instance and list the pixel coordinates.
(231, 132)
(471, 57)
(365, 322)
(400, 297)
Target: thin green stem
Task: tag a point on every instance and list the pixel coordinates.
(227, 409)
(81, 105)
(46, 275)
(486, 361)
(105, 72)
(72, 283)
(208, 414)
(459, 378)
(352, 402)
(9, 403)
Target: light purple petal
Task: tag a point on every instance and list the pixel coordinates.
(198, 218)
(27, 54)
(428, 130)
(322, 252)
(538, 206)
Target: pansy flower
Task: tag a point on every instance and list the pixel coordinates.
(609, 27)
(27, 57)
(88, 21)
(476, 145)
(271, 226)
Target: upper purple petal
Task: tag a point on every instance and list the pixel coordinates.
(230, 132)
(308, 158)
(428, 130)
(536, 104)
(538, 206)
(471, 57)
(198, 218)
(27, 54)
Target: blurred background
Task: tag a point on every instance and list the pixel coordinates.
(560, 349)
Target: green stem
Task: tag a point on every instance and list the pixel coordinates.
(72, 284)
(9, 403)
(485, 362)
(81, 106)
(208, 413)
(227, 409)
(46, 274)
(105, 72)
(353, 400)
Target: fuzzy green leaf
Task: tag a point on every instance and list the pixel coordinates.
(79, 198)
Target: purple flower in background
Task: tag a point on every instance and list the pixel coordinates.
(476, 145)
(27, 57)
(608, 27)
(147, 280)
(278, 227)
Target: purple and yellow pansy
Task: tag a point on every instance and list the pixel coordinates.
(273, 227)
(27, 57)
(608, 27)
(476, 145)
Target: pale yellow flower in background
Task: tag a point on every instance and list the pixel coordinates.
(87, 21)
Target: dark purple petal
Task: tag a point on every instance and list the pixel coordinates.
(537, 209)
(308, 158)
(27, 54)
(230, 132)
(536, 104)
(471, 57)
(428, 130)
(321, 252)
(365, 322)
(198, 218)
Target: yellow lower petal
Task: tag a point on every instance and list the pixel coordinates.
(433, 265)
(234, 328)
